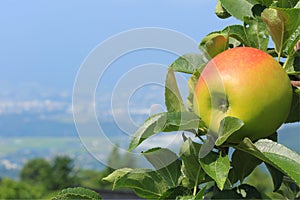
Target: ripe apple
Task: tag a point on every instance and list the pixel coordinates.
(246, 83)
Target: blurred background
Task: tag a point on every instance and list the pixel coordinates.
(42, 46)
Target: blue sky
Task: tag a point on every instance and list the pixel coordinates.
(43, 43)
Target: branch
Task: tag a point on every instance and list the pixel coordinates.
(295, 83)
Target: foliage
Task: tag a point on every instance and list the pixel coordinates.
(63, 173)
(207, 169)
(10, 189)
(37, 171)
(214, 168)
(52, 176)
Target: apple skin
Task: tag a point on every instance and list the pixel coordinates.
(246, 83)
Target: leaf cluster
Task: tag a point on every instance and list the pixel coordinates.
(214, 168)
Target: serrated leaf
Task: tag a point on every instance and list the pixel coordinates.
(274, 154)
(166, 163)
(145, 182)
(256, 32)
(228, 126)
(282, 24)
(165, 122)
(217, 167)
(189, 153)
(214, 43)
(239, 8)
(173, 100)
(243, 164)
(188, 63)
(77, 193)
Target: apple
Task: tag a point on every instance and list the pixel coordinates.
(246, 83)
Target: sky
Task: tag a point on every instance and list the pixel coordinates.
(43, 43)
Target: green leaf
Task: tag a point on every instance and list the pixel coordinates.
(243, 164)
(214, 43)
(146, 183)
(166, 163)
(165, 122)
(228, 126)
(294, 115)
(217, 167)
(77, 193)
(256, 32)
(239, 8)
(189, 153)
(277, 176)
(243, 191)
(274, 154)
(173, 100)
(188, 63)
(282, 24)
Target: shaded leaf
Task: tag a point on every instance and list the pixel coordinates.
(166, 163)
(282, 24)
(188, 63)
(239, 8)
(294, 115)
(243, 191)
(173, 100)
(217, 167)
(266, 3)
(277, 176)
(175, 192)
(228, 126)
(243, 164)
